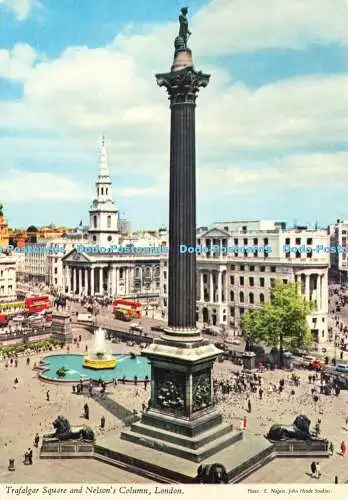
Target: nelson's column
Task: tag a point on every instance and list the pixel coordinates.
(181, 420)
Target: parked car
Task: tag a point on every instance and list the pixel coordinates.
(342, 368)
(220, 345)
(157, 328)
(233, 340)
(18, 318)
(134, 327)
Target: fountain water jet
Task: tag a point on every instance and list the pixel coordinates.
(99, 357)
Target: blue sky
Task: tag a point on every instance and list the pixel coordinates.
(272, 126)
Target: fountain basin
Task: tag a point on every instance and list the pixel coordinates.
(125, 368)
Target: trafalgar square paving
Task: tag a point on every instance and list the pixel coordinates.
(25, 411)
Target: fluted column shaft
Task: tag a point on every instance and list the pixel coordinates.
(182, 218)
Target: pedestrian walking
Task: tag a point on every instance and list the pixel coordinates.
(318, 470)
(249, 406)
(36, 440)
(47, 395)
(331, 448)
(260, 393)
(30, 456)
(86, 411)
(313, 469)
(245, 423)
(343, 449)
(102, 423)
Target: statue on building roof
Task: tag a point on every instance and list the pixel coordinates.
(184, 33)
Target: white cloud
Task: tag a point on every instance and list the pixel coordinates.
(227, 26)
(16, 64)
(88, 91)
(18, 186)
(285, 173)
(302, 111)
(21, 8)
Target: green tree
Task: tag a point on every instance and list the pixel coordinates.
(282, 322)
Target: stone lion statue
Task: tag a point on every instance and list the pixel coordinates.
(64, 431)
(299, 430)
(211, 474)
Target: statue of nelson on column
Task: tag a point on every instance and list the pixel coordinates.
(184, 33)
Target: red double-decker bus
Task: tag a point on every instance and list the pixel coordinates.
(37, 304)
(126, 310)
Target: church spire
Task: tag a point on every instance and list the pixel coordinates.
(103, 160)
(103, 213)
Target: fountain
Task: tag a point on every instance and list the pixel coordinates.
(99, 356)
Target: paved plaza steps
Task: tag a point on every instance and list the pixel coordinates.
(240, 458)
(212, 445)
(193, 443)
(133, 469)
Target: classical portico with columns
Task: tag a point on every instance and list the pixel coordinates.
(88, 275)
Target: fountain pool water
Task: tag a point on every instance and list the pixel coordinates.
(126, 366)
(99, 356)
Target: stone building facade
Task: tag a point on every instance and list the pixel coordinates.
(235, 275)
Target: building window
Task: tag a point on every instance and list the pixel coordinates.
(244, 228)
(106, 190)
(262, 282)
(251, 268)
(272, 282)
(232, 280)
(95, 220)
(323, 319)
(273, 269)
(235, 241)
(232, 296)
(298, 241)
(241, 280)
(205, 278)
(309, 241)
(241, 296)
(94, 238)
(262, 269)
(251, 281)
(285, 281)
(245, 241)
(165, 275)
(109, 238)
(287, 241)
(226, 228)
(102, 190)
(251, 298)
(109, 221)
(242, 267)
(241, 311)
(262, 298)
(232, 267)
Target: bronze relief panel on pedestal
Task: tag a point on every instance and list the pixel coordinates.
(170, 390)
(201, 390)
